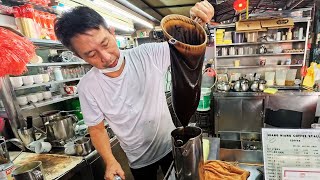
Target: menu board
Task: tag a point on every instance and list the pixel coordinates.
(298, 148)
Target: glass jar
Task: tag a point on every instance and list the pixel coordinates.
(58, 73)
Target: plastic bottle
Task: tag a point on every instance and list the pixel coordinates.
(289, 34)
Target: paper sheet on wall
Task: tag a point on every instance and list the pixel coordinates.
(298, 148)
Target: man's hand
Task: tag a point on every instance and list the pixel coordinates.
(113, 168)
(202, 12)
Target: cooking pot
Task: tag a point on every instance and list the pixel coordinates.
(29, 171)
(4, 153)
(83, 146)
(61, 128)
(49, 115)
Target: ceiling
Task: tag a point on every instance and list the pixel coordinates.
(223, 8)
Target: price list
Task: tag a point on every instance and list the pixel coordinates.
(298, 148)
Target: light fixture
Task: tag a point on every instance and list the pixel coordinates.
(121, 12)
(118, 25)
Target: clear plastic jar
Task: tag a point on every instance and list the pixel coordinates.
(58, 73)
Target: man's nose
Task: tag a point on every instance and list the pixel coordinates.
(105, 56)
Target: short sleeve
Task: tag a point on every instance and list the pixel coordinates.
(159, 54)
(91, 112)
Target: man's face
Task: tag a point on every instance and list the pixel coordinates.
(98, 47)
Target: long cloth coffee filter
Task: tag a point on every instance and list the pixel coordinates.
(187, 41)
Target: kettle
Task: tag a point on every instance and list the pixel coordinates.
(262, 84)
(244, 85)
(258, 85)
(255, 86)
(223, 86)
(241, 85)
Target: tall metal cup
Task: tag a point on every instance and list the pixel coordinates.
(187, 153)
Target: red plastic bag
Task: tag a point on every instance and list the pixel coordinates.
(15, 53)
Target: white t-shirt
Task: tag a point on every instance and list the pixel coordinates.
(134, 104)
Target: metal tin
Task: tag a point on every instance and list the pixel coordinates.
(6, 170)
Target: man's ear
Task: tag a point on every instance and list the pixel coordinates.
(112, 30)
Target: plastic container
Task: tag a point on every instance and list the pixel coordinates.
(58, 73)
(291, 76)
(204, 103)
(281, 77)
(269, 77)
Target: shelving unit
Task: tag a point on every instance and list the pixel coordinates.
(258, 43)
(266, 66)
(46, 84)
(225, 63)
(47, 43)
(48, 102)
(55, 99)
(256, 55)
(57, 64)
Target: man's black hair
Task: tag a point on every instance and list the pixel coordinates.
(77, 21)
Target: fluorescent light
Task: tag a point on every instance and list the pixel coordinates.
(118, 25)
(119, 11)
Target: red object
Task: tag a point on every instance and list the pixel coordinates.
(28, 11)
(2, 124)
(16, 52)
(16, 11)
(303, 71)
(240, 5)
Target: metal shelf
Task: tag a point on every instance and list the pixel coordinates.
(296, 87)
(48, 102)
(56, 64)
(46, 84)
(247, 67)
(46, 43)
(257, 43)
(255, 55)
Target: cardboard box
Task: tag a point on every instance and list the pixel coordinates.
(277, 23)
(248, 26)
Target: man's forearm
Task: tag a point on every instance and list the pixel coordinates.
(101, 142)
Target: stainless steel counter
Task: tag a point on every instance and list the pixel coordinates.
(214, 155)
(279, 93)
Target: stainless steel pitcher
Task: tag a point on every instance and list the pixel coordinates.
(187, 153)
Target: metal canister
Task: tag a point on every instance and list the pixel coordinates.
(187, 153)
(6, 170)
(29, 171)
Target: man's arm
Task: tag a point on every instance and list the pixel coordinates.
(101, 142)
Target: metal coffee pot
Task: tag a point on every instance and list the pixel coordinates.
(187, 153)
(258, 85)
(241, 85)
(223, 86)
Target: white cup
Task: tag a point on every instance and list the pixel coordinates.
(45, 78)
(32, 145)
(38, 79)
(39, 147)
(22, 100)
(69, 148)
(32, 98)
(39, 96)
(16, 81)
(47, 94)
(27, 80)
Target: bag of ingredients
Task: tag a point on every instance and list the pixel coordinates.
(187, 41)
(16, 52)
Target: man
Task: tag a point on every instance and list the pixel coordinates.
(126, 89)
